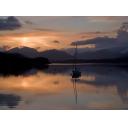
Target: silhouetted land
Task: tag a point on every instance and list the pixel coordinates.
(18, 64)
(119, 61)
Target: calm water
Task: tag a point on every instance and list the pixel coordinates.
(100, 87)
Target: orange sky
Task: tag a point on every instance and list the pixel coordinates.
(47, 40)
(45, 32)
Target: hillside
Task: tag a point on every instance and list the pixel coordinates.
(56, 55)
(17, 64)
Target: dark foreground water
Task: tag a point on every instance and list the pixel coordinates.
(100, 87)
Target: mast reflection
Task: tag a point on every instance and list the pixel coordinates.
(74, 80)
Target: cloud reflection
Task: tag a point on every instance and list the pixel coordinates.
(99, 87)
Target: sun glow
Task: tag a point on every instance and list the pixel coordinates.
(24, 41)
(32, 41)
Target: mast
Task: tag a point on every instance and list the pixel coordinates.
(75, 56)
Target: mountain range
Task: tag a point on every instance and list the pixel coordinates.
(57, 55)
(52, 55)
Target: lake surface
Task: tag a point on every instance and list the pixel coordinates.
(100, 87)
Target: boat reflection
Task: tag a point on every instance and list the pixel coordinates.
(74, 80)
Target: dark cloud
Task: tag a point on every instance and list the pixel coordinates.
(97, 38)
(45, 29)
(38, 48)
(28, 22)
(108, 18)
(97, 41)
(9, 23)
(90, 35)
(56, 41)
(6, 47)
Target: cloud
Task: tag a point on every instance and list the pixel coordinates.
(98, 42)
(28, 22)
(56, 41)
(108, 18)
(45, 29)
(6, 47)
(103, 42)
(9, 23)
(89, 35)
(87, 38)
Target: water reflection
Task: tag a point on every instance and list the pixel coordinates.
(16, 71)
(100, 87)
(74, 81)
(9, 100)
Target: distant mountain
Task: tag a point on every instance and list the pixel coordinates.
(65, 54)
(71, 51)
(25, 51)
(106, 53)
(24, 58)
(52, 55)
(55, 55)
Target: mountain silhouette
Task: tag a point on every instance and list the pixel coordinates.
(25, 51)
(56, 55)
(52, 55)
(17, 64)
(32, 56)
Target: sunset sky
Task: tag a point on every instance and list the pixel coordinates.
(55, 32)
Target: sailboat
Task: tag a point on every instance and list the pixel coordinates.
(75, 72)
